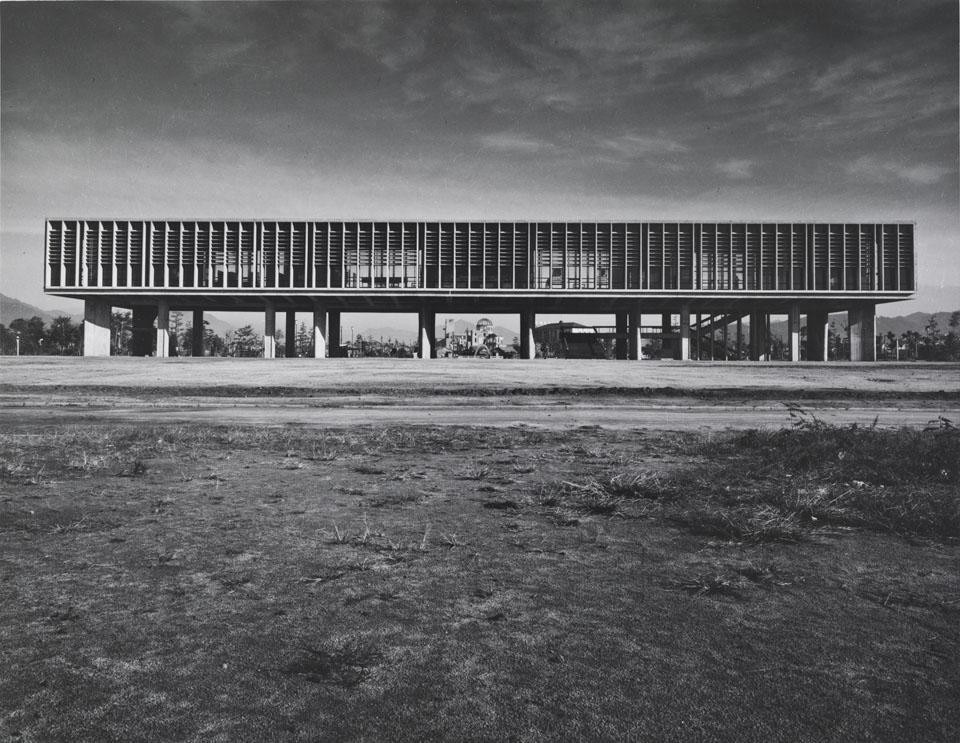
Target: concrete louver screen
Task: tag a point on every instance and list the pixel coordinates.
(242, 255)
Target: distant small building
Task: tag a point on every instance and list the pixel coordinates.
(551, 334)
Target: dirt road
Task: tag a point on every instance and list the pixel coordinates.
(25, 412)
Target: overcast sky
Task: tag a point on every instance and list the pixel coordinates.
(840, 111)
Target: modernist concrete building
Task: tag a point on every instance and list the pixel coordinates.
(705, 274)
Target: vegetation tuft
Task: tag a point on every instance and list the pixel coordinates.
(773, 486)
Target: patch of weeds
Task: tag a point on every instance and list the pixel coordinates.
(710, 584)
(365, 469)
(501, 504)
(451, 540)
(399, 499)
(475, 471)
(136, 468)
(21, 473)
(741, 525)
(589, 497)
(347, 666)
(768, 574)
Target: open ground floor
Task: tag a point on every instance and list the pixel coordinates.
(682, 330)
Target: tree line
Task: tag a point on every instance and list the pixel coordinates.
(63, 337)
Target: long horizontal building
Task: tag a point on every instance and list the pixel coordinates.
(724, 271)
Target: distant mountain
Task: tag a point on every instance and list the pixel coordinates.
(899, 325)
(916, 321)
(13, 309)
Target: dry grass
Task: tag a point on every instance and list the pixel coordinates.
(187, 583)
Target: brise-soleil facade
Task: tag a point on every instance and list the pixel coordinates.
(723, 269)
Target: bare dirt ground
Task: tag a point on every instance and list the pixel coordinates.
(477, 376)
(250, 550)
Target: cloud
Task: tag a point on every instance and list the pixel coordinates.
(885, 171)
(736, 168)
(633, 146)
(514, 142)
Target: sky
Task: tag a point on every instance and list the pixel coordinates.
(839, 111)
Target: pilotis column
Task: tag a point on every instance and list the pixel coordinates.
(684, 332)
(427, 322)
(817, 336)
(290, 335)
(197, 334)
(96, 327)
(793, 331)
(622, 341)
(141, 338)
(528, 346)
(333, 333)
(163, 329)
(319, 331)
(862, 321)
(269, 331)
(633, 346)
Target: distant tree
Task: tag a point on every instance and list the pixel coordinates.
(64, 337)
(304, 341)
(32, 335)
(176, 333)
(245, 342)
(952, 340)
(215, 345)
(121, 331)
(8, 341)
(890, 344)
(932, 343)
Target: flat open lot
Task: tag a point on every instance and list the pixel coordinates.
(250, 550)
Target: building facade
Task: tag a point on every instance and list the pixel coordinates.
(684, 269)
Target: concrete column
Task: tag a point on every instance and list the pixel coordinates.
(622, 340)
(758, 336)
(528, 346)
(697, 336)
(667, 347)
(685, 332)
(427, 322)
(197, 333)
(141, 338)
(633, 345)
(269, 331)
(739, 337)
(793, 331)
(290, 335)
(163, 329)
(862, 321)
(817, 336)
(319, 331)
(96, 327)
(333, 333)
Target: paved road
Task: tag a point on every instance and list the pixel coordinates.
(29, 412)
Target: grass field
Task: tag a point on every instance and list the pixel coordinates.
(195, 582)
